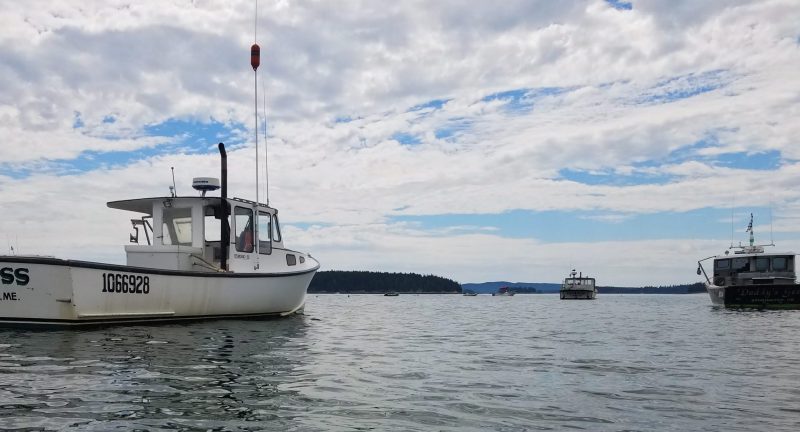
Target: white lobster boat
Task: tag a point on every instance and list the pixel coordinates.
(202, 263)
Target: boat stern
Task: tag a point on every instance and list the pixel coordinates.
(32, 291)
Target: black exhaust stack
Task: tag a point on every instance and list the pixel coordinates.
(225, 230)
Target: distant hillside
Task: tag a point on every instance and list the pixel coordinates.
(357, 282)
(544, 288)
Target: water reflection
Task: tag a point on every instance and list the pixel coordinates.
(210, 375)
(419, 363)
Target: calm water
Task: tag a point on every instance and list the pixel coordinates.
(419, 363)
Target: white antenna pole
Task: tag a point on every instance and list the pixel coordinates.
(255, 74)
(771, 240)
(174, 188)
(731, 227)
(255, 63)
(255, 102)
(266, 152)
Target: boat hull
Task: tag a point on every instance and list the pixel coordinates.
(758, 296)
(49, 291)
(578, 294)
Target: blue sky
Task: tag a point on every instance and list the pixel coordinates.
(418, 137)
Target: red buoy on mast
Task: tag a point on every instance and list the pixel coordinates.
(255, 56)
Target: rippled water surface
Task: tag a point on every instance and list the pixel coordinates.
(419, 363)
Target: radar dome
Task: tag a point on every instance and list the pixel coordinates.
(205, 184)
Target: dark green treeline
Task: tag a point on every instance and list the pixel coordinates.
(334, 281)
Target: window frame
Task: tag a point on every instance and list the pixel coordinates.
(785, 266)
(169, 225)
(237, 237)
(264, 246)
(276, 229)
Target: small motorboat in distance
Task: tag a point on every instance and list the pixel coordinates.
(578, 287)
(752, 278)
(503, 292)
(391, 294)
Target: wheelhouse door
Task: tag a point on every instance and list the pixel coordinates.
(243, 250)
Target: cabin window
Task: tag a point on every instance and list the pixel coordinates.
(722, 264)
(276, 229)
(264, 231)
(780, 264)
(243, 219)
(291, 259)
(177, 226)
(741, 264)
(212, 229)
(762, 264)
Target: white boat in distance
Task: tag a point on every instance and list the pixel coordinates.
(210, 257)
(578, 287)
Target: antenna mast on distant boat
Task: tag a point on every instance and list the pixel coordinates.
(731, 247)
(771, 239)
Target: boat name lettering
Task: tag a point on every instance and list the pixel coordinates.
(8, 275)
(126, 283)
(9, 296)
(241, 256)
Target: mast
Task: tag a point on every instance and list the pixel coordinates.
(255, 61)
(225, 234)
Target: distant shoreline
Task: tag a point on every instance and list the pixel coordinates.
(368, 282)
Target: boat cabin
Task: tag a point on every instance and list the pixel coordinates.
(752, 266)
(186, 234)
(577, 281)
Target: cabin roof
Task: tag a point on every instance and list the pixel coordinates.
(145, 205)
(757, 254)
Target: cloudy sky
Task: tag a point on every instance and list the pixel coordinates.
(475, 140)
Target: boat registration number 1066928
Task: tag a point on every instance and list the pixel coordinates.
(124, 283)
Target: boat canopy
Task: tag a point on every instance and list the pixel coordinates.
(196, 226)
(145, 205)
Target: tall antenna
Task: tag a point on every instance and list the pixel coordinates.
(731, 227)
(266, 152)
(173, 190)
(771, 240)
(255, 61)
(750, 230)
